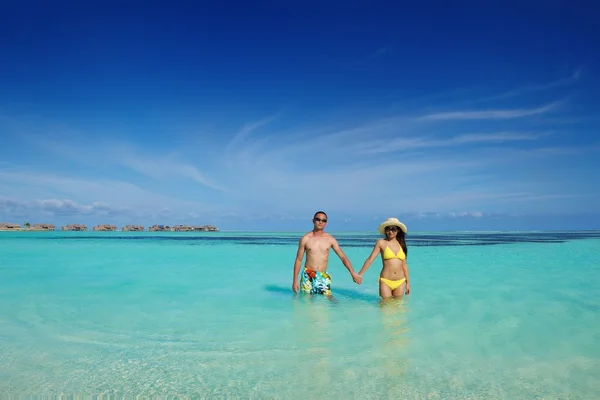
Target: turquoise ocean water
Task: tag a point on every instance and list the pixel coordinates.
(212, 315)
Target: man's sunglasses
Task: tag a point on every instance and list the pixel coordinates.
(320, 220)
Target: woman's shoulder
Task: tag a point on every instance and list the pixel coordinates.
(380, 242)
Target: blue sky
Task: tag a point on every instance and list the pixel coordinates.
(254, 117)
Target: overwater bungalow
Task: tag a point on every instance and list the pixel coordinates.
(208, 228)
(43, 227)
(183, 228)
(104, 228)
(132, 228)
(7, 226)
(75, 227)
(159, 228)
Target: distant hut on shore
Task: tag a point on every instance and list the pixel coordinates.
(75, 227)
(132, 228)
(104, 228)
(43, 227)
(7, 226)
(159, 228)
(183, 228)
(204, 228)
(210, 228)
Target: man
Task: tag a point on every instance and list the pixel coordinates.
(316, 244)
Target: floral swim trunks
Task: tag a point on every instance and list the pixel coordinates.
(315, 282)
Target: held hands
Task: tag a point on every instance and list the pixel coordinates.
(356, 278)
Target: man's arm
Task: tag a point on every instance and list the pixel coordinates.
(298, 263)
(338, 250)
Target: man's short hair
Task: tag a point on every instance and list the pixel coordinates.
(319, 212)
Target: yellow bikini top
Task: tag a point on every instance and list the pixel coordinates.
(388, 253)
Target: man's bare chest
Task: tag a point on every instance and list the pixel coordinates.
(317, 247)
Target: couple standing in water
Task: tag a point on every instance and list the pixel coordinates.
(314, 279)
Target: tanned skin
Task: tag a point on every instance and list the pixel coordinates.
(316, 244)
(393, 269)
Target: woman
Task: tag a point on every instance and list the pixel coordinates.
(393, 279)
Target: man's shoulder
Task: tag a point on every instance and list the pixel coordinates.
(331, 238)
(306, 236)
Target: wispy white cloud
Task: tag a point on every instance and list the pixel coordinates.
(566, 150)
(496, 137)
(410, 160)
(356, 147)
(65, 208)
(288, 149)
(537, 154)
(356, 144)
(162, 167)
(347, 169)
(239, 138)
(69, 207)
(474, 214)
(380, 52)
(389, 185)
(101, 191)
(490, 114)
(104, 154)
(56, 210)
(559, 83)
(410, 143)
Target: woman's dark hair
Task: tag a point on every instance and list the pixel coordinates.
(400, 237)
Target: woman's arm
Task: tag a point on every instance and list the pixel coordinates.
(372, 257)
(405, 268)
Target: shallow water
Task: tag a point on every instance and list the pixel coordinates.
(491, 315)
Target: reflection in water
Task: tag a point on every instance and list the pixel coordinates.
(311, 321)
(394, 342)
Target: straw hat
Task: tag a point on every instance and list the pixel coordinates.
(391, 222)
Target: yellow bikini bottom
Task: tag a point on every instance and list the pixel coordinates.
(393, 284)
